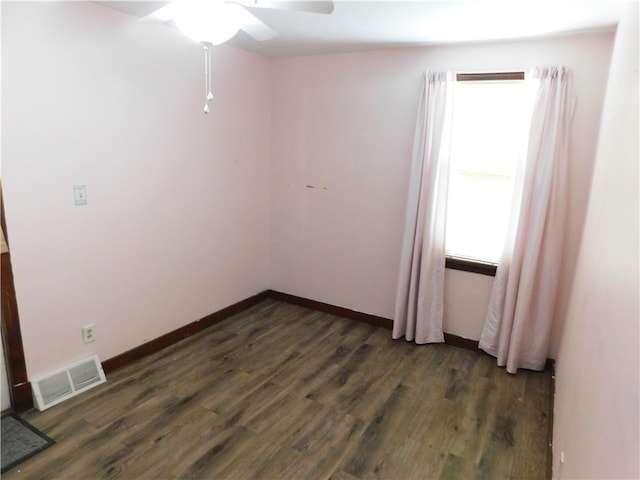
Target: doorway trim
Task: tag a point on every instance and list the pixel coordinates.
(19, 385)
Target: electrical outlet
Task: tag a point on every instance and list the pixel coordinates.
(88, 333)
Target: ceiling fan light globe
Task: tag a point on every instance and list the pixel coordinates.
(207, 21)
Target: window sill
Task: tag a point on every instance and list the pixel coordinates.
(473, 266)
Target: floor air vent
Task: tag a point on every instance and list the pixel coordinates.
(58, 386)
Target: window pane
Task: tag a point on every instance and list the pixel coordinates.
(490, 125)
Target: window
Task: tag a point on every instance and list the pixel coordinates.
(491, 114)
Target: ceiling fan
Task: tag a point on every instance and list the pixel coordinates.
(212, 22)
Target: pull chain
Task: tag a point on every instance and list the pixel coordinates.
(207, 75)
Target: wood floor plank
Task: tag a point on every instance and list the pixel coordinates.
(394, 416)
(380, 386)
(159, 447)
(327, 427)
(244, 457)
(341, 475)
(209, 459)
(322, 351)
(281, 391)
(534, 424)
(319, 464)
(283, 463)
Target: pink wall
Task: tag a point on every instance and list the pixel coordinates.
(342, 137)
(177, 221)
(182, 219)
(596, 422)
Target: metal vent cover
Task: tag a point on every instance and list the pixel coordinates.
(62, 384)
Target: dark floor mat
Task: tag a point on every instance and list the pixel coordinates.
(20, 441)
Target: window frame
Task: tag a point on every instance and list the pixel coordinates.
(467, 264)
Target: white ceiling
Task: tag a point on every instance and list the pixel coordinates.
(365, 25)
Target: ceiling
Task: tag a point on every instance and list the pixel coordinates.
(366, 25)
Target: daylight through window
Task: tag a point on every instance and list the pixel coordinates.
(490, 128)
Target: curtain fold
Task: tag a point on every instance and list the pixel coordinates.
(518, 324)
(420, 294)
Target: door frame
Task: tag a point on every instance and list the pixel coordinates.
(19, 385)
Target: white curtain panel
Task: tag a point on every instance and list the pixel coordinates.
(420, 295)
(521, 309)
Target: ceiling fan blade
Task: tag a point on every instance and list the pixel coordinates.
(312, 6)
(252, 25)
(162, 15)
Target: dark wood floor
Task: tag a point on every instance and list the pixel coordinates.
(283, 392)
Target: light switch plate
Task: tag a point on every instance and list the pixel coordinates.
(80, 194)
